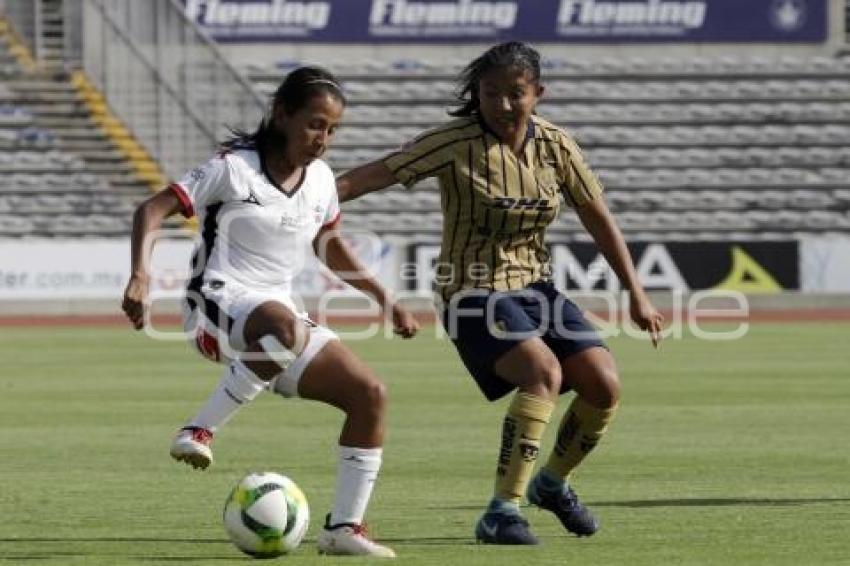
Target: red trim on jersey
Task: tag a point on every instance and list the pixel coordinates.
(182, 194)
(333, 222)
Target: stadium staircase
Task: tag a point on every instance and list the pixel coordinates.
(690, 148)
(67, 167)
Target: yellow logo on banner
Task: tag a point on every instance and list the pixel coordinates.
(747, 276)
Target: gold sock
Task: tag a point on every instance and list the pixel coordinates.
(521, 433)
(580, 430)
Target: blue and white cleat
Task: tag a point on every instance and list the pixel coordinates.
(575, 517)
(503, 528)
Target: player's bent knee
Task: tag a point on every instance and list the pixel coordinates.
(548, 377)
(373, 395)
(277, 351)
(365, 401)
(614, 388)
(606, 393)
(285, 343)
(286, 382)
(292, 335)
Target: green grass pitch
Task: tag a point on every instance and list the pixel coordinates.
(723, 453)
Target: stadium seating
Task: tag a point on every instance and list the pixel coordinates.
(640, 66)
(688, 147)
(59, 176)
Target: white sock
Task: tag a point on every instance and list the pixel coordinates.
(238, 386)
(356, 475)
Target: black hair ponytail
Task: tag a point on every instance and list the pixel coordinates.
(293, 94)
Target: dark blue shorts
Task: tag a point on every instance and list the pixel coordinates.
(485, 324)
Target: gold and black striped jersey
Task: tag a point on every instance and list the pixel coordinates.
(496, 206)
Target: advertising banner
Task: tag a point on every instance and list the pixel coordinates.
(489, 21)
(100, 269)
(747, 267)
(84, 269)
(825, 263)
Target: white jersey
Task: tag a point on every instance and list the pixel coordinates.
(252, 232)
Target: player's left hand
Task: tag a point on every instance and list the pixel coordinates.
(645, 315)
(404, 323)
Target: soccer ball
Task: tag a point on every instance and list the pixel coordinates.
(266, 515)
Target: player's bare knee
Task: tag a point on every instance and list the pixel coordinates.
(613, 387)
(547, 376)
(606, 392)
(369, 399)
(376, 393)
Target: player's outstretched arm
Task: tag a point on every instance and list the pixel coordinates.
(146, 221)
(365, 179)
(602, 226)
(335, 253)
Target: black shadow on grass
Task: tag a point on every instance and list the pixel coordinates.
(693, 502)
(720, 502)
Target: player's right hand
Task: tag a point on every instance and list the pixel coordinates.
(134, 301)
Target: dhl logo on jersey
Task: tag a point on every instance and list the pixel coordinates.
(522, 203)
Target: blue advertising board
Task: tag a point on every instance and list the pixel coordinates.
(452, 21)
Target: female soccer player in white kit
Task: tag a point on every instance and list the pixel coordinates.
(258, 202)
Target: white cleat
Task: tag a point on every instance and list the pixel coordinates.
(351, 540)
(192, 445)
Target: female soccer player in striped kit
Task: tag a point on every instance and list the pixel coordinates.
(501, 171)
(260, 201)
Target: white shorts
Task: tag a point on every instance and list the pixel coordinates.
(215, 320)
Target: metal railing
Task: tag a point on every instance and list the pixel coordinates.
(165, 79)
(26, 17)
